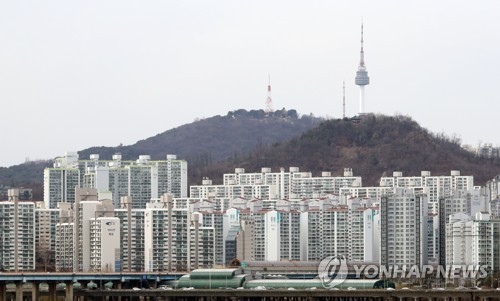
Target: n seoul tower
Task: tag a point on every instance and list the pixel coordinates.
(362, 78)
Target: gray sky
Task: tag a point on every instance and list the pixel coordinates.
(75, 74)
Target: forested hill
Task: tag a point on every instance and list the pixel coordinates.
(372, 146)
(202, 143)
(215, 138)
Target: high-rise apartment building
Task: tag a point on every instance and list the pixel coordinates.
(59, 184)
(17, 234)
(105, 247)
(473, 241)
(64, 247)
(214, 219)
(457, 201)
(131, 236)
(365, 192)
(202, 246)
(164, 248)
(46, 234)
(403, 226)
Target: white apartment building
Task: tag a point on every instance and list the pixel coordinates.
(458, 240)
(474, 241)
(64, 247)
(17, 234)
(492, 191)
(247, 191)
(364, 235)
(304, 185)
(245, 250)
(289, 226)
(59, 185)
(105, 246)
(172, 176)
(85, 212)
(166, 238)
(143, 180)
(264, 235)
(266, 229)
(433, 237)
(87, 207)
(203, 256)
(215, 219)
(171, 236)
(132, 238)
(403, 226)
(365, 192)
(457, 201)
(46, 231)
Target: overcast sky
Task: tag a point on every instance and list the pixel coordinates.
(75, 74)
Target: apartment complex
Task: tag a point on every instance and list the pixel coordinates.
(468, 203)
(134, 216)
(434, 187)
(343, 229)
(292, 184)
(143, 179)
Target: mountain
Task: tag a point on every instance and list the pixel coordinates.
(202, 143)
(29, 175)
(373, 146)
(215, 138)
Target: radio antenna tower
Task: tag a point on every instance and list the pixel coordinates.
(362, 78)
(269, 100)
(343, 99)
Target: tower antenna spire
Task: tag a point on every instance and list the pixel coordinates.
(269, 100)
(343, 99)
(362, 78)
(362, 52)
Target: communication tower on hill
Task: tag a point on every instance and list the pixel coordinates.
(269, 100)
(362, 78)
(343, 99)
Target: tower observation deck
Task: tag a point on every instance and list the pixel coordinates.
(362, 78)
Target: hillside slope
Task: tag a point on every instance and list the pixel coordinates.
(202, 143)
(215, 138)
(374, 146)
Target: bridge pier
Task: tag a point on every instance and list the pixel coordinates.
(52, 291)
(3, 295)
(118, 286)
(19, 291)
(35, 291)
(69, 291)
